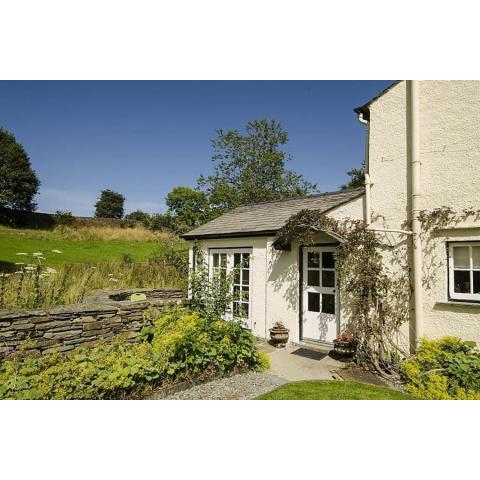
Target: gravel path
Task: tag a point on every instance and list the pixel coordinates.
(238, 387)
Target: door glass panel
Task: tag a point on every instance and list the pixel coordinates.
(461, 280)
(476, 257)
(313, 302)
(476, 282)
(328, 303)
(313, 260)
(461, 257)
(328, 278)
(328, 260)
(314, 278)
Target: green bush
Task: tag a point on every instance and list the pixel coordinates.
(444, 369)
(180, 345)
(64, 218)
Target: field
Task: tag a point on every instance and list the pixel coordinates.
(41, 268)
(83, 245)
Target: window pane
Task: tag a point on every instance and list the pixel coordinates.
(236, 276)
(236, 292)
(236, 309)
(476, 282)
(246, 260)
(215, 259)
(476, 257)
(245, 293)
(328, 303)
(314, 278)
(223, 260)
(313, 260)
(328, 260)
(313, 302)
(236, 259)
(246, 276)
(461, 257)
(328, 278)
(243, 310)
(461, 279)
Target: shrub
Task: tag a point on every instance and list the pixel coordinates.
(63, 217)
(137, 217)
(180, 345)
(444, 369)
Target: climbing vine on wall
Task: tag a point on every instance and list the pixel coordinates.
(374, 278)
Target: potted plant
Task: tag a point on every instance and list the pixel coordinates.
(279, 335)
(344, 343)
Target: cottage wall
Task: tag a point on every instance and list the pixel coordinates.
(450, 156)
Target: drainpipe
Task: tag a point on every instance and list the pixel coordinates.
(368, 182)
(413, 119)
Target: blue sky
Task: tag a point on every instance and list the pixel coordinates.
(144, 138)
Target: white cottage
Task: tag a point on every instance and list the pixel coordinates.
(422, 152)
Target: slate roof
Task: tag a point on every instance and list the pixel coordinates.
(268, 217)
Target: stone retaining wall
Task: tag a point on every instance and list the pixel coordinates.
(99, 318)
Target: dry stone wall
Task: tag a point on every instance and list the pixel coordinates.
(100, 318)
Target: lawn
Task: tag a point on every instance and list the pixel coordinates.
(13, 241)
(333, 390)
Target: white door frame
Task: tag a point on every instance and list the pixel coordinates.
(304, 288)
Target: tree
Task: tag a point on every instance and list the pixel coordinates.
(187, 208)
(109, 205)
(18, 181)
(250, 168)
(138, 216)
(357, 178)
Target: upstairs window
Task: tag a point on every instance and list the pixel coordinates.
(464, 271)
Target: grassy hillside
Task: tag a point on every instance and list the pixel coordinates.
(60, 266)
(85, 245)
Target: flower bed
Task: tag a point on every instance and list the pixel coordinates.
(179, 345)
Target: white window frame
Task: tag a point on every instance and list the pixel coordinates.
(475, 297)
(230, 264)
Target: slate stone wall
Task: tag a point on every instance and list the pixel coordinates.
(99, 319)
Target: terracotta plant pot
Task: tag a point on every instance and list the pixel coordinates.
(279, 335)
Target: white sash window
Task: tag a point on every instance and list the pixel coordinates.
(464, 270)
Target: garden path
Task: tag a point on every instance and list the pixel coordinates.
(292, 363)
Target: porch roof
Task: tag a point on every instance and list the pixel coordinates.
(267, 218)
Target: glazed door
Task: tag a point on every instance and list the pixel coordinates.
(319, 316)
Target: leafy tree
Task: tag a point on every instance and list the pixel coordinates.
(109, 205)
(159, 221)
(138, 216)
(18, 182)
(357, 178)
(187, 208)
(250, 167)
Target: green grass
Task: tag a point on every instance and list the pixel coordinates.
(333, 390)
(13, 241)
